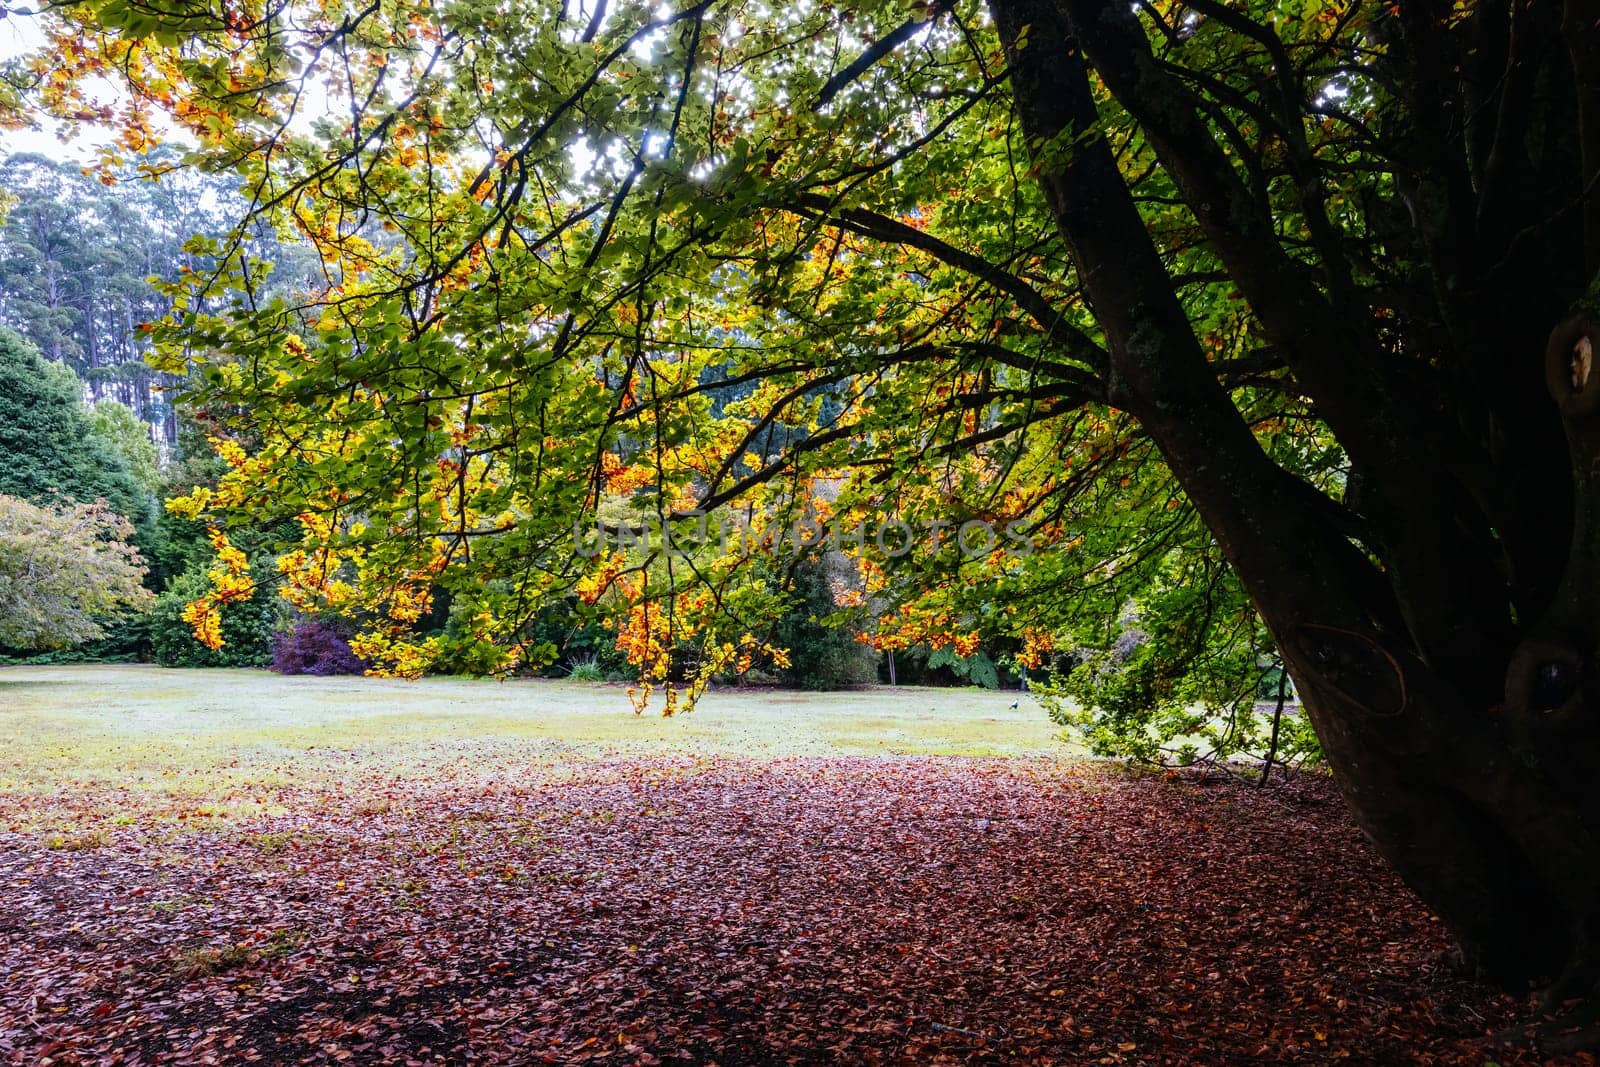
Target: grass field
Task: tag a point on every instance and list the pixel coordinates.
(227, 735)
(233, 867)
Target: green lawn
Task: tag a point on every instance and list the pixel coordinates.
(142, 733)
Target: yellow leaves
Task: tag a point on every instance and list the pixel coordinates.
(230, 451)
(230, 572)
(315, 525)
(593, 585)
(309, 581)
(393, 657)
(408, 603)
(230, 581)
(191, 506)
(205, 621)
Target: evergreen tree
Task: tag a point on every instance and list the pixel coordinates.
(820, 656)
(48, 447)
(119, 427)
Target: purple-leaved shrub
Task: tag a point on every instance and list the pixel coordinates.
(315, 646)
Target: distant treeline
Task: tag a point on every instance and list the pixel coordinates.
(76, 261)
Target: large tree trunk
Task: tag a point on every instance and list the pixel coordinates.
(1463, 737)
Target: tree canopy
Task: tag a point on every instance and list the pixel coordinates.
(64, 571)
(1194, 293)
(49, 449)
(79, 257)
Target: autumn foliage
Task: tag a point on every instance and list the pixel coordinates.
(64, 572)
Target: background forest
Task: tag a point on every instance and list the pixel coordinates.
(86, 263)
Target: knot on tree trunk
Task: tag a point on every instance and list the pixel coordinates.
(1570, 373)
(1355, 668)
(1548, 677)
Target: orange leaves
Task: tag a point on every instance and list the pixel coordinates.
(203, 617)
(917, 220)
(671, 637)
(1036, 644)
(621, 478)
(923, 622)
(645, 635)
(230, 581)
(919, 911)
(848, 598)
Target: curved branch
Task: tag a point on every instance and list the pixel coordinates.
(865, 61)
(1075, 342)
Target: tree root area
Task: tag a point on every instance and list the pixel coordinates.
(871, 911)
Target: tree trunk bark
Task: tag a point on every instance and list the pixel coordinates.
(1277, 725)
(1481, 803)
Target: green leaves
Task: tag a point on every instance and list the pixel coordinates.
(641, 274)
(65, 571)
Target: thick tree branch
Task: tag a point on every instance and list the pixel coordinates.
(1581, 21)
(1158, 370)
(1434, 501)
(1332, 356)
(888, 43)
(1503, 173)
(1074, 342)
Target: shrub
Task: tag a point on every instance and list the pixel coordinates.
(247, 626)
(563, 636)
(64, 570)
(1179, 681)
(580, 638)
(587, 671)
(315, 646)
(821, 656)
(977, 669)
(126, 640)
